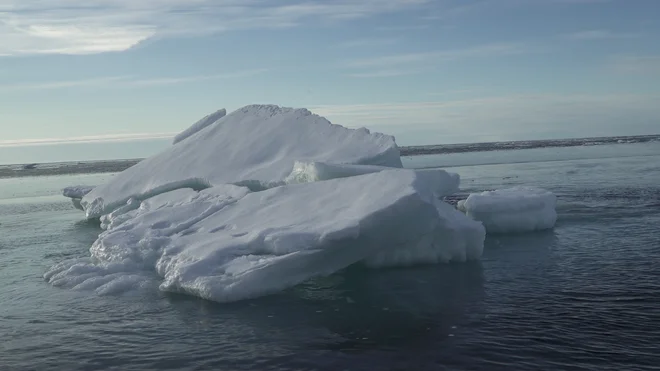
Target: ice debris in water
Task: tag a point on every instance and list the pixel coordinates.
(255, 146)
(512, 210)
(261, 200)
(76, 191)
(226, 243)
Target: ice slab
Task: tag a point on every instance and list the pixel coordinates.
(124, 256)
(199, 125)
(76, 191)
(225, 243)
(446, 183)
(256, 145)
(455, 239)
(512, 210)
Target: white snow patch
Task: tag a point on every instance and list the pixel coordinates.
(199, 125)
(225, 243)
(254, 146)
(512, 210)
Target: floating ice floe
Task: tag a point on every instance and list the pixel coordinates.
(226, 243)
(254, 146)
(512, 210)
(260, 200)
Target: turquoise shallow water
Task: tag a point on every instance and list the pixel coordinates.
(585, 296)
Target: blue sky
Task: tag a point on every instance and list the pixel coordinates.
(426, 71)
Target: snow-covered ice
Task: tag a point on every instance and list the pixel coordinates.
(256, 146)
(226, 243)
(303, 172)
(250, 203)
(314, 171)
(512, 210)
(199, 125)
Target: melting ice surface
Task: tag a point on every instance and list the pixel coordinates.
(512, 210)
(261, 200)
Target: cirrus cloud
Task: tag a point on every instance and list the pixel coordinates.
(75, 27)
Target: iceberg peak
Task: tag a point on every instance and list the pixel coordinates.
(200, 125)
(256, 144)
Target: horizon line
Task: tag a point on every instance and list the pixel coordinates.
(408, 147)
(108, 138)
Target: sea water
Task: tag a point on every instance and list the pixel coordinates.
(584, 296)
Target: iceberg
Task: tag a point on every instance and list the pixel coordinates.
(251, 203)
(226, 243)
(254, 146)
(512, 210)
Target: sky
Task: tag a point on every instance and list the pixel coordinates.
(426, 71)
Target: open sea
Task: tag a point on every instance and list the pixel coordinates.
(584, 296)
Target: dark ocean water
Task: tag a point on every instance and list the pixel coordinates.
(585, 296)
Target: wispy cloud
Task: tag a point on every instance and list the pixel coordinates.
(468, 90)
(64, 84)
(22, 37)
(438, 56)
(405, 27)
(635, 64)
(503, 117)
(409, 63)
(85, 139)
(367, 42)
(126, 81)
(383, 73)
(578, 2)
(465, 8)
(187, 79)
(601, 35)
(75, 27)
